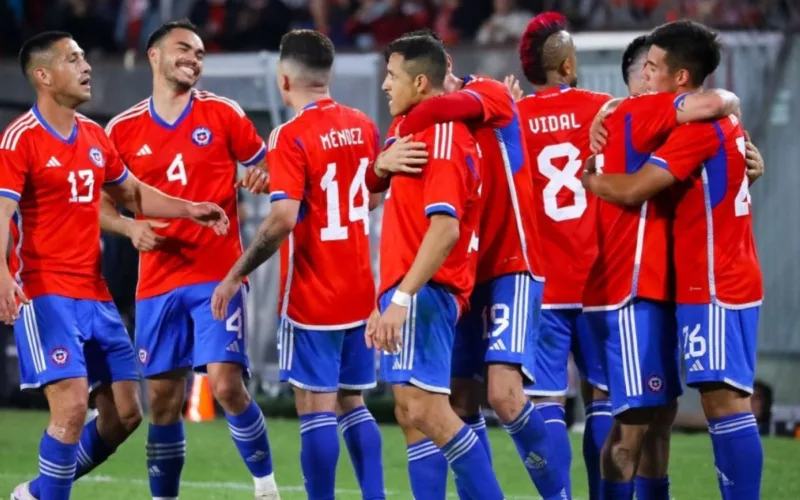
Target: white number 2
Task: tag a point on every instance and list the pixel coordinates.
(742, 201)
(560, 179)
(334, 231)
(87, 176)
(176, 170)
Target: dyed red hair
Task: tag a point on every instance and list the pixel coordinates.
(530, 46)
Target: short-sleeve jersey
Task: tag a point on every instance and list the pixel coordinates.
(714, 250)
(449, 184)
(632, 254)
(508, 229)
(55, 232)
(193, 158)
(556, 122)
(320, 158)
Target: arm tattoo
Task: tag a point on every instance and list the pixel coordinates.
(260, 250)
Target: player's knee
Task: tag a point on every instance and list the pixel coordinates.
(130, 418)
(507, 400)
(720, 400)
(230, 392)
(419, 412)
(466, 396)
(347, 400)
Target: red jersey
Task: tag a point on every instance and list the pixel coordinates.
(320, 158)
(715, 253)
(195, 159)
(55, 232)
(556, 123)
(508, 228)
(632, 258)
(449, 184)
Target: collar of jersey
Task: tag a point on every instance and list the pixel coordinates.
(318, 104)
(552, 90)
(160, 121)
(68, 140)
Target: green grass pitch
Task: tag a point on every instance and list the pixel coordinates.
(214, 470)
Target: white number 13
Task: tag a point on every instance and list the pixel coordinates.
(334, 231)
(87, 176)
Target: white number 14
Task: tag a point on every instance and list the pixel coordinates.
(334, 231)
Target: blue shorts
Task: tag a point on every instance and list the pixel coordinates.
(59, 337)
(562, 331)
(325, 360)
(428, 333)
(642, 355)
(501, 326)
(719, 345)
(176, 330)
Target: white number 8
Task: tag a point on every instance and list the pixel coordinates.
(560, 179)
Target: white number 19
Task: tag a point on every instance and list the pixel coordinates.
(334, 231)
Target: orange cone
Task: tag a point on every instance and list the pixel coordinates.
(201, 401)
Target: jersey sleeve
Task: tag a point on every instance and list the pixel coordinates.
(686, 148)
(444, 179)
(287, 165)
(14, 167)
(116, 171)
(651, 115)
(498, 105)
(391, 133)
(247, 146)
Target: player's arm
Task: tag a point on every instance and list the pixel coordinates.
(755, 163)
(460, 106)
(249, 149)
(627, 189)
(13, 172)
(706, 105)
(140, 232)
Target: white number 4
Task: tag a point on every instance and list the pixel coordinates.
(742, 201)
(176, 170)
(87, 176)
(234, 323)
(334, 231)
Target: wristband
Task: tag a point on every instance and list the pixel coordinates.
(402, 299)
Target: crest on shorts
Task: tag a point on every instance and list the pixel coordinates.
(143, 356)
(97, 157)
(201, 136)
(655, 383)
(60, 356)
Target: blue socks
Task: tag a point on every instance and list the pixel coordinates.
(616, 491)
(319, 452)
(471, 465)
(478, 425)
(363, 440)
(427, 471)
(530, 436)
(554, 418)
(57, 465)
(249, 432)
(598, 425)
(166, 453)
(651, 489)
(738, 455)
(92, 451)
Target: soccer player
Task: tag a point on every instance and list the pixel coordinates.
(53, 164)
(556, 120)
(718, 278)
(509, 286)
(628, 294)
(320, 202)
(429, 250)
(186, 143)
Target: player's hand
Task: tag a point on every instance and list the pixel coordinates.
(755, 163)
(143, 237)
(589, 170)
(389, 336)
(10, 291)
(372, 328)
(255, 180)
(209, 215)
(598, 135)
(513, 86)
(402, 157)
(223, 293)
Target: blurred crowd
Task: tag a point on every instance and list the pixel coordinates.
(116, 26)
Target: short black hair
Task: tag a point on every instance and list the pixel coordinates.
(424, 32)
(167, 28)
(688, 45)
(632, 52)
(427, 55)
(37, 44)
(310, 48)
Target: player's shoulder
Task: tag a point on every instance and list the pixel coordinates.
(649, 99)
(599, 98)
(443, 138)
(356, 114)
(484, 82)
(210, 100)
(88, 124)
(17, 129)
(286, 131)
(128, 116)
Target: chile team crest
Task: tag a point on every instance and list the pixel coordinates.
(59, 356)
(201, 136)
(97, 157)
